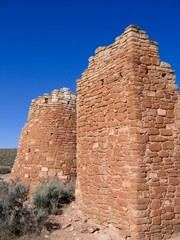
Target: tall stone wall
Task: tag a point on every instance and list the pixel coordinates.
(47, 145)
(128, 139)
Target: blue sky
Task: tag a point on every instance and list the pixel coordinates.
(45, 45)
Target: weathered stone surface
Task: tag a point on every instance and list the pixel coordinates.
(47, 146)
(128, 131)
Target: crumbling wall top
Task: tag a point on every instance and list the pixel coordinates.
(63, 95)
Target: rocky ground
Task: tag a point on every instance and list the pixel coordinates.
(72, 225)
(4, 177)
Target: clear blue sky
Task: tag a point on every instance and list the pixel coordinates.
(45, 45)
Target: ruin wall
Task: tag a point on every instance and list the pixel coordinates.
(128, 139)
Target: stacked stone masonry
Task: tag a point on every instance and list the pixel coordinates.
(47, 146)
(128, 139)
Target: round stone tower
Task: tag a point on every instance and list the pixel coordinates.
(47, 145)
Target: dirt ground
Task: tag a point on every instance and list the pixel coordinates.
(72, 225)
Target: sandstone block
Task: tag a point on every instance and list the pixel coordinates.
(63, 177)
(173, 181)
(177, 209)
(168, 145)
(145, 59)
(155, 61)
(154, 147)
(52, 172)
(161, 112)
(153, 131)
(165, 65)
(134, 115)
(156, 220)
(44, 169)
(166, 132)
(168, 216)
(156, 203)
(160, 189)
(177, 201)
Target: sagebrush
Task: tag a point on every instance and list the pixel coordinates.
(51, 196)
(16, 218)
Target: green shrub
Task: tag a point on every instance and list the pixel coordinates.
(51, 196)
(16, 218)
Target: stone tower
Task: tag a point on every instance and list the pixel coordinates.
(128, 139)
(47, 146)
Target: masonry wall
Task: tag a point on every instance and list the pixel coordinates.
(128, 147)
(47, 145)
